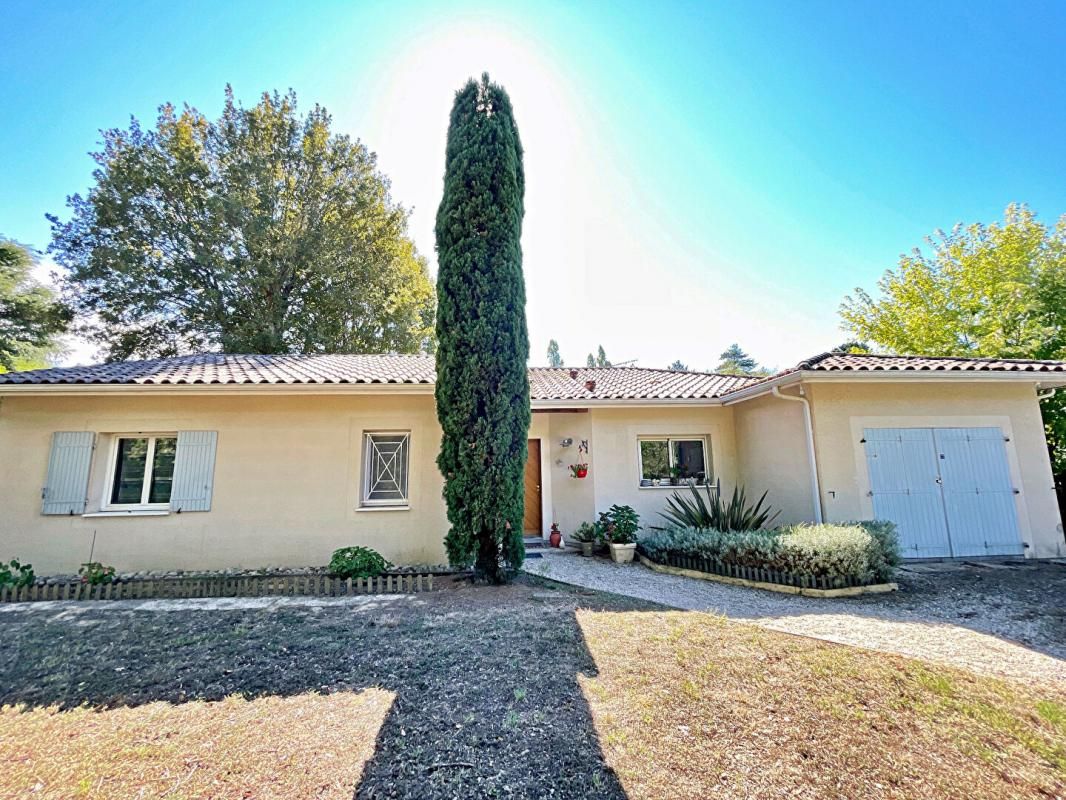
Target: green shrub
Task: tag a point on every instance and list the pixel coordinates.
(586, 532)
(94, 573)
(887, 541)
(15, 573)
(618, 525)
(865, 552)
(712, 514)
(357, 562)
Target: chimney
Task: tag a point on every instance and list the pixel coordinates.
(590, 385)
(573, 374)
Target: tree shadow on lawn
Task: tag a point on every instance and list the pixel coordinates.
(487, 701)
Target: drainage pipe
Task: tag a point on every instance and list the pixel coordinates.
(812, 460)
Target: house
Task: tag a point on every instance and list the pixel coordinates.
(214, 461)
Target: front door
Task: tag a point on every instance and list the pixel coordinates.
(531, 522)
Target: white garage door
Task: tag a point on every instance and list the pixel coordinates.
(947, 489)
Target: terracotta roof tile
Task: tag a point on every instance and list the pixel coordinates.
(545, 383)
(628, 383)
(241, 369)
(866, 362)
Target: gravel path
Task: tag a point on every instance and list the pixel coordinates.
(994, 620)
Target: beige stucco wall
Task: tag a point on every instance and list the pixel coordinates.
(841, 411)
(772, 453)
(289, 468)
(286, 489)
(614, 470)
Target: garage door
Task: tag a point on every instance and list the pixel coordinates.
(947, 489)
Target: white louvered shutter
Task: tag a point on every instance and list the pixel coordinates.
(67, 482)
(194, 471)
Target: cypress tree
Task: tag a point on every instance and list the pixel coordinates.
(482, 387)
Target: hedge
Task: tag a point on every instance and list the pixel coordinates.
(865, 552)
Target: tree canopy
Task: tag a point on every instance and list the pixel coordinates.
(598, 360)
(260, 232)
(31, 318)
(734, 361)
(554, 358)
(996, 290)
(482, 386)
(679, 365)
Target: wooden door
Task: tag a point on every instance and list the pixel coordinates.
(531, 522)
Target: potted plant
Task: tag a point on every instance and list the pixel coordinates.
(555, 538)
(579, 470)
(620, 525)
(585, 535)
(676, 474)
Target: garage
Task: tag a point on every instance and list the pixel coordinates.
(948, 490)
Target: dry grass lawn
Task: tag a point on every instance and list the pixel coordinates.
(303, 746)
(688, 705)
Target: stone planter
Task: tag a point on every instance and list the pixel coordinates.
(622, 553)
(586, 549)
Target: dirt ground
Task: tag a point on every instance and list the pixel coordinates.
(525, 691)
(487, 702)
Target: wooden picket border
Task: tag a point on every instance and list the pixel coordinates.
(220, 586)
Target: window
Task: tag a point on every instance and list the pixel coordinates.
(385, 467)
(666, 459)
(142, 471)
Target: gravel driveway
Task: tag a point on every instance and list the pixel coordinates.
(1001, 620)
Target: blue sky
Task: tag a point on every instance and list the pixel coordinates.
(698, 173)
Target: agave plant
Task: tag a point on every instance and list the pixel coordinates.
(712, 514)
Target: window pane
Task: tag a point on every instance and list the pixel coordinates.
(162, 469)
(688, 456)
(654, 459)
(129, 471)
(386, 478)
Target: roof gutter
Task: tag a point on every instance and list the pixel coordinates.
(812, 458)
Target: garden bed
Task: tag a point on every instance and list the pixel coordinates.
(785, 582)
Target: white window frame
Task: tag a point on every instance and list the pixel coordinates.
(368, 448)
(146, 485)
(708, 464)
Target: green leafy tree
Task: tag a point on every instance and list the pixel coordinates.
(482, 388)
(31, 318)
(679, 365)
(598, 360)
(852, 348)
(260, 232)
(554, 358)
(734, 361)
(995, 290)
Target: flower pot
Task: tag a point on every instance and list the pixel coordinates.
(555, 538)
(581, 472)
(622, 553)
(586, 549)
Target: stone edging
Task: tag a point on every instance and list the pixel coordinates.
(848, 591)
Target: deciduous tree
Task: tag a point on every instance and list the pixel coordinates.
(482, 387)
(259, 232)
(31, 319)
(995, 290)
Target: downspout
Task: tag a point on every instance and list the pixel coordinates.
(812, 460)
(1044, 395)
